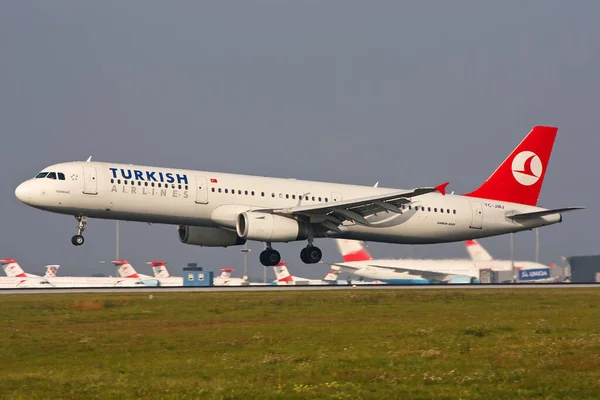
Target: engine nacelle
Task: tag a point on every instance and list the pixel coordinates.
(463, 279)
(265, 227)
(207, 236)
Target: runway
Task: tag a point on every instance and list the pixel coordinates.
(265, 288)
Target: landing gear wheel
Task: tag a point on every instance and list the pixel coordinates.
(311, 255)
(77, 240)
(270, 257)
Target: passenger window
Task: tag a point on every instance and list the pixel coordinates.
(306, 198)
(410, 207)
(232, 191)
(226, 191)
(186, 187)
(280, 196)
(272, 194)
(112, 181)
(159, 185)
(326, 200)
(246, 192)
(441, 210)
(152, 184)
(435, 209)
(253, 193)
(145, 183)
(51, 175)
(240, 192)
(313, 198)
(219, 190)
(119, 182)
(448, 211)
(293, 197)
(428, 208)
(61, 176)
(173, 186)
(41, 175)
(262, 194)
(319, 199)
(454, 211)
(287, 196)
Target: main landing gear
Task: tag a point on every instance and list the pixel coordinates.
(270, 257)
(309, 255)
(78, 240)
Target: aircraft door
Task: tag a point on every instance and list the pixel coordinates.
(201, 190)
(90, 182)
(336, 197)
(477, 215)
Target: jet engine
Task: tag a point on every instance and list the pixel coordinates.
(265, 227)
(207, 236)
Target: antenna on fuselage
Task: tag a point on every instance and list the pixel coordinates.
(89, 159)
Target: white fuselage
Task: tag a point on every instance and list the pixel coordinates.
(211, 199)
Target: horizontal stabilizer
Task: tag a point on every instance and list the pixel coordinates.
(537, 214)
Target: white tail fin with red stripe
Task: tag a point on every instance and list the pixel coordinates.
(519, 178)
(281, 273)
(352, 250)
(159, 268)
(477, 252)
(226, 273)
(51, 271)
(12, 268)
(125, 270)
(332, 275)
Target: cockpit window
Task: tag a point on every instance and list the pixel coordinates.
(51, 175)
(41, 175)
(61, 176)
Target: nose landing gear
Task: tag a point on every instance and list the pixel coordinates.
(77, 240)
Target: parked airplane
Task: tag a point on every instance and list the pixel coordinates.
(283, 277)
(358, 261)
(218, 209)
(162, 274)
(225, 279)
(17, 278)
(126, 270)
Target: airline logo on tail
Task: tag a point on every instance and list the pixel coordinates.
(159, 268)
(51, 271)
(520, 177)
(125, 269)
(12, 268)
(352, 250)
(527, 168)
(282, 273)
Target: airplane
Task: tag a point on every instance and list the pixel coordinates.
(219, 209)
(225, 279)
(17, 278)
(283, 277)
(358, 261)
(161, 273)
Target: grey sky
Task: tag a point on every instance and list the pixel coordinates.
(405, 93)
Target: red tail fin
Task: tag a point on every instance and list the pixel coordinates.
(519, 178)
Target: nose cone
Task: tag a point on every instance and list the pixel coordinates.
(24, 192)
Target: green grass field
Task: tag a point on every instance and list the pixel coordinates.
(412, 344)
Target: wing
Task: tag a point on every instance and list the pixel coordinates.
(333, 214)
(435, 277)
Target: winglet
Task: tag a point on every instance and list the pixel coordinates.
(442, 188)
(89, 159)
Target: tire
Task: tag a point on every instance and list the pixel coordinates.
(77, 240)
(274, 257)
